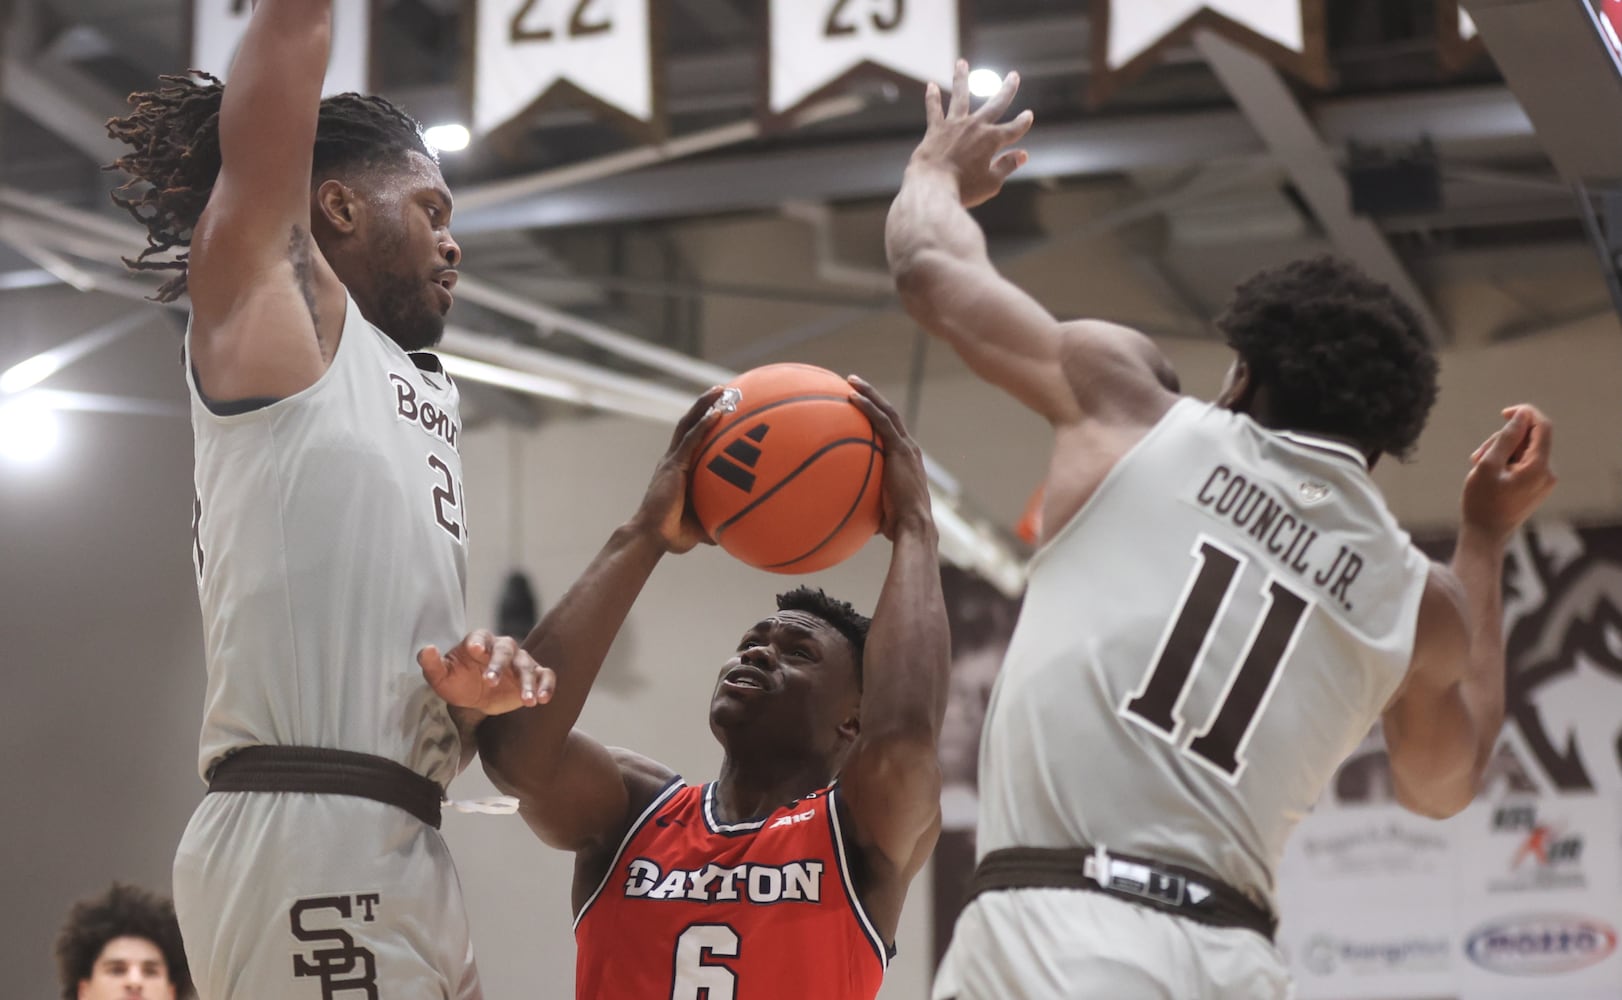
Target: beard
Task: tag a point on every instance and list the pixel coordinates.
(405, 315)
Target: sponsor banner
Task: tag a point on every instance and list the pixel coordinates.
(217, 27)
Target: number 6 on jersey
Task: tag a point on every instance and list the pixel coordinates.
(699, 979)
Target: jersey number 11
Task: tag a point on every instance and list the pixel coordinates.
(1156, 703)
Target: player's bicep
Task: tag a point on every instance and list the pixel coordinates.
(586, 802)
(999, 330)
(892, 797)
(269, 115)
(1430, 731)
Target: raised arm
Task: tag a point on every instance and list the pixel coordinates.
(575, 793)
(948, 284)
(1442, 725)
(891, 782)
(268, 309)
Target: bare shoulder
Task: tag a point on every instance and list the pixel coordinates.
(1117, 373)
(644, 778)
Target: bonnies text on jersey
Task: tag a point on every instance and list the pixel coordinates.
(1252, 507)
(797, 881)
(424, 414)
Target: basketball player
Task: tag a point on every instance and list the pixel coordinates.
(330, 541)
(1221, 608)
(773, 880)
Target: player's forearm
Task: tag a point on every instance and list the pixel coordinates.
(927, 230)
(907, 657)
(572, 640)
(1478, 562)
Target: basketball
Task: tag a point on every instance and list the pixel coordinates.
(789, 481)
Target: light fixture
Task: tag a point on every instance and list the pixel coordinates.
(29, 429)
(29, 373)
(449, 138)
(984, 82)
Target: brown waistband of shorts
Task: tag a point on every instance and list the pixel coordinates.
(1179, 891)
(323, 771)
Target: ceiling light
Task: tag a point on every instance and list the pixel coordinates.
(448, 138)
(29, 429)
(984, 82)
(29, 373)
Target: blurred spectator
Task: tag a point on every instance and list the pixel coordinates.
(122, 944)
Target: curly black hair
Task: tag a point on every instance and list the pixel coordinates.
(175, 134)
(122, 911)
(1338, 353)
(851, 623)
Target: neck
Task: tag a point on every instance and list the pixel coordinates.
(746, 791)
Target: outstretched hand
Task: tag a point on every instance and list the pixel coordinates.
(1510, 474)
(973, 145)
(665, 508)
(489, 674)
(906, 484)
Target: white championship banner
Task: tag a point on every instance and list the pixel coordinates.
(524, 48)
(816, 43)
(218, 26)
(1135, 26)
(1520, 895)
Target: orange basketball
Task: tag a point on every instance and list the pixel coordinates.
(790, 480)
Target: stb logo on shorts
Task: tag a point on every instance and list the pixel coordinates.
(342, 965)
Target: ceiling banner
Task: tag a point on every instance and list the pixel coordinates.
(817, 46)
(1129, 36)
(217, 27)
(529, 53)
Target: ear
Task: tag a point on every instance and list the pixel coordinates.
(84, 984)
(339, 206)
(1236, 395)
(851, 727)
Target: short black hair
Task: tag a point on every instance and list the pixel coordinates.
(852, 624)
(174, 136)
(1338, 353)
(122, 911)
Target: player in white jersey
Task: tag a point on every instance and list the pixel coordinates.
(330, 522)
(1221, 608)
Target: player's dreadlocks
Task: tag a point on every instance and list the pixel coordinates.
(850, 623)
(175, 134)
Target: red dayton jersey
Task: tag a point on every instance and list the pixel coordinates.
(692, 908)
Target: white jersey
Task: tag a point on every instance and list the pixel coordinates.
(330, 546)
(1199, 649)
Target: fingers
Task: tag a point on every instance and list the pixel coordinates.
(1496, 450)
(502, 652)
(695, 414)
(999, 102)
(960, 90)
(687, 447)
(878, 409)
(433, 665)
(933, 115)
(535, 682)
(1004, 166)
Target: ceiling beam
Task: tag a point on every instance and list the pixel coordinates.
(1458, 121)
(1293, 140)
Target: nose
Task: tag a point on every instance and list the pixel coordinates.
(451, 251)
(757, 656)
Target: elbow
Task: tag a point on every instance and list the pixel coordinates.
(1436, 799)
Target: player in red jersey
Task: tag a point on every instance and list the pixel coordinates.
(775, 880)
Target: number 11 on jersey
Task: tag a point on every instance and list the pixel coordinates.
(1158, 701)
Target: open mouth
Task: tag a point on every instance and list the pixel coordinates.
(744, 678)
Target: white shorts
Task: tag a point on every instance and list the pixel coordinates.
(1067, 944)
(320, 897)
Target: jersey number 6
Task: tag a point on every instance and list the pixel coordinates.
(697, 979)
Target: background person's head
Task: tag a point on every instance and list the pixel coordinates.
(124, 943)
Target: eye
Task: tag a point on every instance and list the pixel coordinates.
(801, 652)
